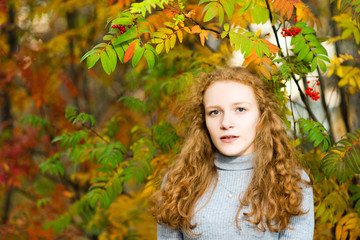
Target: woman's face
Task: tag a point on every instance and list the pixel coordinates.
(231, 116)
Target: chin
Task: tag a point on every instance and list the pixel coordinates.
(230, 153)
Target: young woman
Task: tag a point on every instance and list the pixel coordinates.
(237, 176)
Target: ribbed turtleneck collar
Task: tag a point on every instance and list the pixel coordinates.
(234, 163)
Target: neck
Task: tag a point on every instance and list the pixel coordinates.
(234, 163)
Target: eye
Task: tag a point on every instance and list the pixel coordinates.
(240, 109)
(213, 112)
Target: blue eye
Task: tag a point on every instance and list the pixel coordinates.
(240, 109)
(214, 112)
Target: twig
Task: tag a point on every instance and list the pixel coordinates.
(302, 95)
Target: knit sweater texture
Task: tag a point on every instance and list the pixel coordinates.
(215, 218)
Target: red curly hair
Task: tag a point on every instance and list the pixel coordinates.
(274, 193)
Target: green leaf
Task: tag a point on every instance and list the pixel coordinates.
(212, 11)
(105, 62)
(248, 47)
(120, 52)
(107, 37)
(112, 57)
(303, 53)
(322, 66)
(343, 159)
(226, 27)
(300, 24)
(229, 7)
(259, 14)
(92, 60)
(138, 53)
(102, 45)
(314, 64)
(258, 50)
(245, 7)
(123, 21)
(309, 57)
(311, 38)
(299, 46)
(204, 1)
(130, 34)
(264, 48)
(150, 58)
(151, 48)
(87, 54)
(221, 14)
(317, 134)
(307, 30)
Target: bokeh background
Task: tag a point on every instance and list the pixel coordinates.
(85, 140)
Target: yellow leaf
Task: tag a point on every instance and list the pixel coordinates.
(166, 30)
(159, 47)
(172, 41)
(167, 45)
(180, 35)
(257, 34)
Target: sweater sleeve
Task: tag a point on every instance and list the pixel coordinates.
(302, 226)
(164, 232)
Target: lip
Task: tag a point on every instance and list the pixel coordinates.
(228, 138)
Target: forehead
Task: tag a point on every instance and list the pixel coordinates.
(228, 91)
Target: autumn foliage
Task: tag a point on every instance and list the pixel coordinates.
(89, 94)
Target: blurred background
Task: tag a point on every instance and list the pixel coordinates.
(81, 150)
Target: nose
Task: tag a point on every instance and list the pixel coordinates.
(227, 121)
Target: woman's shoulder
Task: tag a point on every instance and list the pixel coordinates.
(304, 175)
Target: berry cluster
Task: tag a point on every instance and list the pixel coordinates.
(290, 32)
(122, 28)
(312, 93)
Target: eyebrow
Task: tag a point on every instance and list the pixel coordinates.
(234, 104)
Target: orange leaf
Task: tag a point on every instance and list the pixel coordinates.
(265, 72)
(279, 4)
(272, 48)
(195, 29)
(169, 13)
(284, 8)
(290, 11)
(130, 51)
(203, 35)
(190, 14)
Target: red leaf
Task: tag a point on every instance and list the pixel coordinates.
(129, 52)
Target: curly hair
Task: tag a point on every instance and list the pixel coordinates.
(274, 193)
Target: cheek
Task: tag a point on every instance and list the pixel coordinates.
(210, 125)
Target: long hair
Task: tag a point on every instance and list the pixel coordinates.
(274, 193)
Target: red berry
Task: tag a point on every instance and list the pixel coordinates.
(129, 26)
(318, 83)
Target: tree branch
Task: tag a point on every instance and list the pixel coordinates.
(302, 95)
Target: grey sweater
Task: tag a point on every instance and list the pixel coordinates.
(216, 219)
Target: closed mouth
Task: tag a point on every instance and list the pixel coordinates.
(228, 137)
